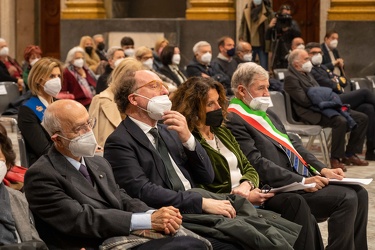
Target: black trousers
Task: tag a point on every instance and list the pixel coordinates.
(293, 207)
(363, 100)
(339, 127)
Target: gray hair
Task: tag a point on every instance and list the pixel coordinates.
(51, 122)
(2, 40)
(72, 52)
(97, 35)
(112, 51)
(198, 45)
(246, 73)
(294, 56)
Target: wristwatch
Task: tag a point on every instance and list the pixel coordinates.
(252, 186)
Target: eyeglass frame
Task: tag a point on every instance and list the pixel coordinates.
(160, 84)
(90, 123)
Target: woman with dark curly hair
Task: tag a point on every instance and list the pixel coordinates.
(203, 102)
(171, 57)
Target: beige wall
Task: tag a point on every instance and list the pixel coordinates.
(8, 24)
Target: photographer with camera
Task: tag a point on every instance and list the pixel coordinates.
(282, 30)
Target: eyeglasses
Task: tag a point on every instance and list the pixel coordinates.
(154, 85)
(266, 189)
(90, 124)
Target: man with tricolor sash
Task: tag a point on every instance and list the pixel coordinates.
(281, 161)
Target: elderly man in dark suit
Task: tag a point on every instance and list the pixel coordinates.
(74, 197)
(280, 161)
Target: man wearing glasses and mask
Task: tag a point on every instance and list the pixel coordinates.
(75, 200)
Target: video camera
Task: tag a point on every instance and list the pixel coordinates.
(283, 21)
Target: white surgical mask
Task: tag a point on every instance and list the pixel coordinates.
(333, 44)
(3, 170)
(78, 63)
(83, 145)
(148, 63)
(301, 46)
(176, 59)
(260, 103)
(248, 57)
(53, 86)
(157, 105)
(4, 51)
(307, 66)
(206, 57)
(257, 2)
(317, 59)
(34, 61)
(129, 52)
(118, 61)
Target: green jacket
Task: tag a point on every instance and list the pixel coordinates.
(222, 182)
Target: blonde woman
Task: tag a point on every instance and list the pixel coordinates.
(91, 58)
(103, 106)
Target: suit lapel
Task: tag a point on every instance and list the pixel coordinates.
(67, 170)
(140, 136)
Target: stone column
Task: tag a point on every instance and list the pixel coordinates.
(359, 10)
(8, 24)
(83, 9)
(211, 10)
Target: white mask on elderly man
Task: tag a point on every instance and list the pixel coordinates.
(4, 51)
(206, 57)
(78, 62)
(3, 170)
(307, 66)
(248, 57)
(83, 145)
(53, 86)
(260, 103)
(157, 105)
(317, 59)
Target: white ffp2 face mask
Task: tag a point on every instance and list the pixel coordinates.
(148, 63)
(317, 59)
(78, 63)
(248, 57)
(206, 57)
(333, 44)
(4, 51)
(307, 66)
(176, 58)
(129, 52)
(157, 105)
(83, 145)
(53, 86)
(118, 61)
(260, 103)
(34, 61)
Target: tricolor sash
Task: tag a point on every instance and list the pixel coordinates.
(36, 106)
(260, 121)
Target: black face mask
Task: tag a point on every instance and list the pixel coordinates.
(214, 118)
(231, 52)
(101, 46)
(88, 50)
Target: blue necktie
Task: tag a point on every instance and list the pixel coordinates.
(296, 163)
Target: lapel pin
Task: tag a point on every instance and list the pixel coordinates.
(101, 176)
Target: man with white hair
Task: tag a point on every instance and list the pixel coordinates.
(201, 64)
(279, 161)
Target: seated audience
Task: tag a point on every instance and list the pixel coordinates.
(170, 57)
(100, 46)
(298, 80)
(45, 84)
(203, 102)
(79, 80)
(159, 164)
(362, 100)
(145, 56)
(159, 46)
(103, 107)
(91, 58)
(114, 56)
(127, 44)
(224, 61)
(31, 55)
(201, 64)
(280, 160)
(243, 52)
(73, 195)
(331, 57)
(17, 225)
(10, 70)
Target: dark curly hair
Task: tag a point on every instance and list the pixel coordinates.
(191, 97)
(6, 148)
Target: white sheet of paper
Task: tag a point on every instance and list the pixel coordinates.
(281, 75)
(292, 187)
(350, 181)
(3, 90)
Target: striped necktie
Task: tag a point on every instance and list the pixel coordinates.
(296, 163)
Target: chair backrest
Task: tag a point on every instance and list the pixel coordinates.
(279, 74)
(290, 116)
(372, 80)
(8, 93)
(362, 83)
(278, 107)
